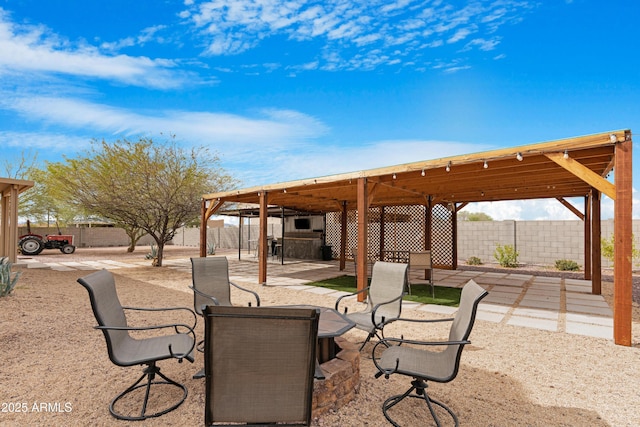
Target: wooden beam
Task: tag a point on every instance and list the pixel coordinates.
(363, 248)
(572, 208)
(584, 173)
(622, 265)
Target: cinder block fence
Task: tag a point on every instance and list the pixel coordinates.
(537, 242)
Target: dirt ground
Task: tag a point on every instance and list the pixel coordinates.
(54, 368)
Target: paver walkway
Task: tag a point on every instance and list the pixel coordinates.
(547, 303)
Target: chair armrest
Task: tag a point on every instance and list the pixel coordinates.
(247, 290)
(193, 313)
(349, 295)
(406, 319)
(384, 322)
(202, 294)
(400, 341)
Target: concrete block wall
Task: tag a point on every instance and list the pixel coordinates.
(538, 242)
(84, 237)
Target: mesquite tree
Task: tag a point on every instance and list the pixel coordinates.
(141, 186)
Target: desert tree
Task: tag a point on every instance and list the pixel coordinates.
(142, 186)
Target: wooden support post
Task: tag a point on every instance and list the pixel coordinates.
(454, 238)
(596, 237)
(622, 265)
(203, 228)
(382, 236)
(363, 249)
(587, 237)
(262, 240)
(343, 236)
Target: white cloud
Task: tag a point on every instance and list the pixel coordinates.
(268, 129)
(43, 141)
(34, 49)
(352, 28)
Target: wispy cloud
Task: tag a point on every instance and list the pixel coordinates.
(264, 130)
(35, 49)
(353, 30)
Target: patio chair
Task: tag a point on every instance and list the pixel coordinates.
(405, 357)
(259, 364)
(384, 299)
(422, 261)
(125, 350)
(211, 285)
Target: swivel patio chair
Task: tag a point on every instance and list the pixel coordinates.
(384, 299)
(211, 286)
(125, 350)
(422, 261)
(405, 357)
(259, 365)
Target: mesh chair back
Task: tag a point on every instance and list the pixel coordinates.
(107, 311)
(465, 317)
(259, 364)
(388, 281)
(420, 259)
(210, 275)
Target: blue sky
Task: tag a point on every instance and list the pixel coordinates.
(292, 89)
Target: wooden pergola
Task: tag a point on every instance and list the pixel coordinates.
(10, 189)
(561, 169)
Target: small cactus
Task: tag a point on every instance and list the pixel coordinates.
(7, 280)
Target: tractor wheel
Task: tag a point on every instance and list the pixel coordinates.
(31, 245)
(68, 249)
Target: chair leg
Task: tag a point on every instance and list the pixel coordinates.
(200, 374)
(419, 386)
(149, 373)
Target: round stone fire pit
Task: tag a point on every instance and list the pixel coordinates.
(342, 379)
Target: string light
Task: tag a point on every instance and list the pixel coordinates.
(519, 156)
(448, 168)
(394, 176)
(486, 165)
(423, 173)
(566, 154)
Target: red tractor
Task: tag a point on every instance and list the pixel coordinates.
(33, 244)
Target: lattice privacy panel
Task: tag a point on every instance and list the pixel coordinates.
(403, 232)
(442, 236)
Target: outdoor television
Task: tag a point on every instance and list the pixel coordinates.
(302, 223)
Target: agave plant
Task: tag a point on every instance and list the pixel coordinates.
(7, 280)
(154, 252)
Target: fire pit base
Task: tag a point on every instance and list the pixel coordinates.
(342, 381)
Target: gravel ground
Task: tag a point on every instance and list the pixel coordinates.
(509, 375)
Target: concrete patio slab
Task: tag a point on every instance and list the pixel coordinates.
(597, 331)
(529, 322)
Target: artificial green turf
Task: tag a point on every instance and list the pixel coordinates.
(419, 293)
